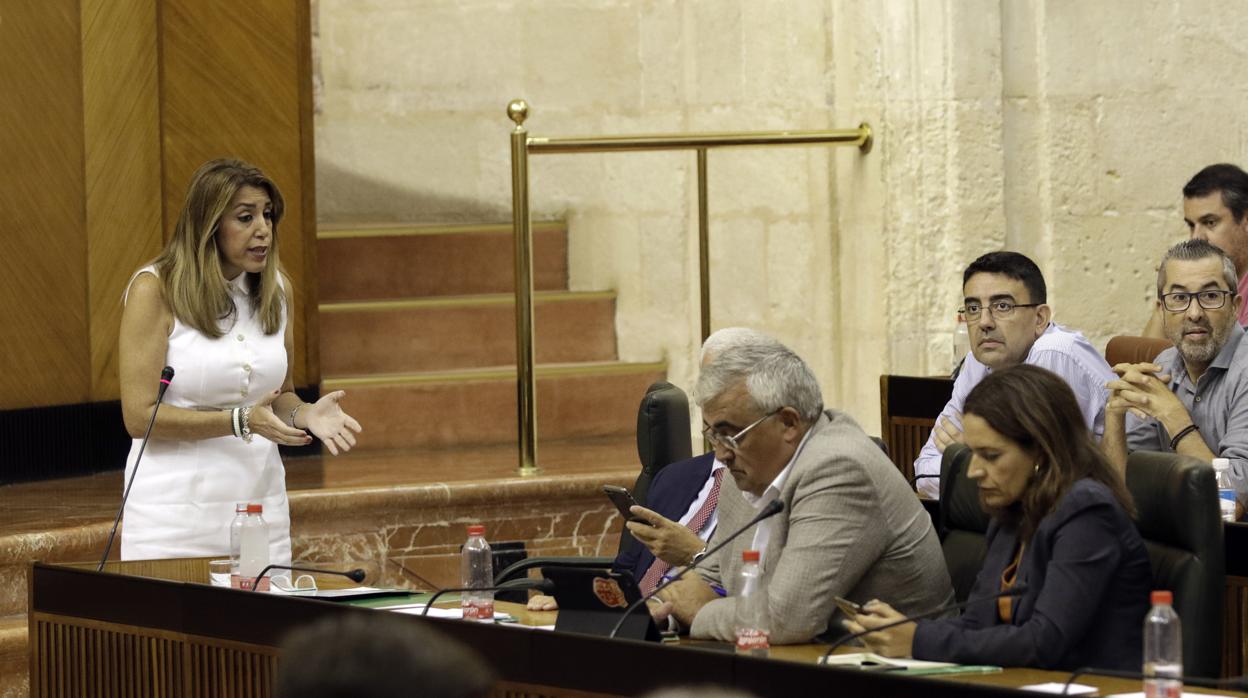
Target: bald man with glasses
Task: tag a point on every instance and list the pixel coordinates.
(1193, 398)
(1010, 323)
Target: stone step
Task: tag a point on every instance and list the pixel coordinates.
(366, 262)
(478, 406)
(14, 659)
(425, 334)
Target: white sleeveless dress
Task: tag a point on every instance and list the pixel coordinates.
(182, 502)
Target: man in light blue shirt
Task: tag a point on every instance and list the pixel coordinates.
(1009, 324)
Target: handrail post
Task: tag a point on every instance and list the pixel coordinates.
(704, 250)
(518, 111)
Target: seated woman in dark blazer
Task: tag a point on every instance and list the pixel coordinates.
(1061, 526)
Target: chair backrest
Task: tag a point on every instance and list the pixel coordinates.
(1134, 350)
(909, 407)
(662, 433)
(962, 523)
(1179, 518)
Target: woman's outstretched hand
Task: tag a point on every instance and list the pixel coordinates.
(327, 422)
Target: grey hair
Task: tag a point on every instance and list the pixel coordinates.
(1191, 250)
(774, 377)
(729, 337)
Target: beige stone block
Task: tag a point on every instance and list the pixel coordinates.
(1095, 48)
(583, 55)
(661, 43)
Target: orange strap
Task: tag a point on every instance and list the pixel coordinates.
(1005, 604)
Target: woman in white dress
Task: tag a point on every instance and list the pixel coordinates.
(215, 306)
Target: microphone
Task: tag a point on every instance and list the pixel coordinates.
(921, 476)
(166, 376)
(356, 575)
(773, 507)
(544, 585)
(1017, 590)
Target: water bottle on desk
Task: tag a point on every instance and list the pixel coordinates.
(1226, 493)
(253, 549)
(477, 572)
(236, 531)
(1163, 649)
(753, 623)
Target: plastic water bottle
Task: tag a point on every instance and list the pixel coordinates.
(1226, 493)
(477, 572)
(961, 343)
(1163, 649)
(753, 622)
(236, 529)
(253, 549)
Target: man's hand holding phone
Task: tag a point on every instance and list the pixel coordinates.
(666, 539)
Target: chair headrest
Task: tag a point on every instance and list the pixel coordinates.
(1175, 499)
(1134, 350)
(959, 495)
(663, 427)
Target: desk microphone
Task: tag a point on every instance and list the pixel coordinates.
(1016, 590)
(921, 476)
(166, 375)
(356, 575)
(774, 507)
(544, 585)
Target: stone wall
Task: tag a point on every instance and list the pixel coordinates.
(1061, 129)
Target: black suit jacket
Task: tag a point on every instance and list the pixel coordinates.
(1088, 581)
(671, 493)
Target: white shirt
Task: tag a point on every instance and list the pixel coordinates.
(711, 523)
(763, 533)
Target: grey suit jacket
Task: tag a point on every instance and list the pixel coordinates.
(851, 527)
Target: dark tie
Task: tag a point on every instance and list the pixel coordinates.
(658, 568)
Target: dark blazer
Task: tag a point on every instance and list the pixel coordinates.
(671, 492)
(1088, 581)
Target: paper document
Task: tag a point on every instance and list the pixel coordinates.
(875, 662)
(1140, 694)
(1076, 689)
(435, 612)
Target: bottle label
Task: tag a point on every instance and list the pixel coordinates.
(245, 583)
(1163, 688)
(750, 640)
(478, 609)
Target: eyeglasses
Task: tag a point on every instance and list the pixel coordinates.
(733, 443)
(1209, 300)
(997, 309)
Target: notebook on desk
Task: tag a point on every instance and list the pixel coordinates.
(591, 601)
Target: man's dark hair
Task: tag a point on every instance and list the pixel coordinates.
(379, 655)
(1014, 266)
(1225, 178)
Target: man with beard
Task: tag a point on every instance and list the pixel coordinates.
(1193, 398)
(1004, 303)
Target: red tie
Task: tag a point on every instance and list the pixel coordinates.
(658, 568)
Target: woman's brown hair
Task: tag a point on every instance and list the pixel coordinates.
(190, 265)
(1037, 410)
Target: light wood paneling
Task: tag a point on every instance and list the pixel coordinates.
(43, 282)
(121, 111)
(232, 84)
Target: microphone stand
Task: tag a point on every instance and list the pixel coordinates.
(1015, 591)
(772, 508)
(545, 585)
(356, 575)
(166, 375)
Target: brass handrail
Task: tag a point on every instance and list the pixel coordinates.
(522, 144)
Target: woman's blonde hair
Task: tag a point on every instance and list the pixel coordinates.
(190, 265)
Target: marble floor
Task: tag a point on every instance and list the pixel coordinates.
(74, 502)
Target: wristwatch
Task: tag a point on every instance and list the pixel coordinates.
(697, 557)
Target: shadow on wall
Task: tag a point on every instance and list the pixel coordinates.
(349, 197)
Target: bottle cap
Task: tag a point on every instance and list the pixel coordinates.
(255, 508)
(240, 508)
(749, 556)
(1162, 596)
(1221, 463)
(476, 530)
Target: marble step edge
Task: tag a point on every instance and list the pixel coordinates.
(86, 541)
(342, 231)
(480, 300)
(491, 373)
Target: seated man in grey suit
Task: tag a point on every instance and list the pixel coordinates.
(851, 525)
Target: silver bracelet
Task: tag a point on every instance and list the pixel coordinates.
(234, 423)
(295, 412)
(245, 419)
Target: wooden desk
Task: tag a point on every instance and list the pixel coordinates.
(111, 635)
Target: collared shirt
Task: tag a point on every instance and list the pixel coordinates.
(711, 523)
(1217, 403)
(763, 533)
(1064, 352)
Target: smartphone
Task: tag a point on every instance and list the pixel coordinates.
(622, 499)
(847, 607)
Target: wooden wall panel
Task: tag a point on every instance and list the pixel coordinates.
(44, 346)
(232, 84)
(121, 111)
